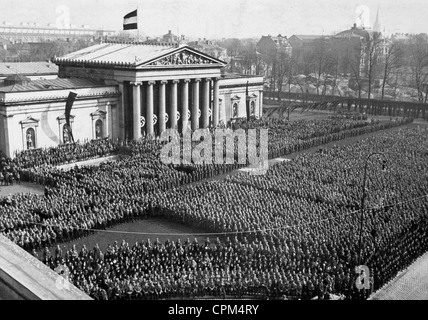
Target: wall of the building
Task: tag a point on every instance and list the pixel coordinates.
(234, 91)
(49, 129)
(51, 105)
(4, 135)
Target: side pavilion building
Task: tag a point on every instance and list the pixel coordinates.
(125, 91)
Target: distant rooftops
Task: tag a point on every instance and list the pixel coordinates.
(52, 84)
(16, 79)
(305, 37)
(27, 68)
(48, 26)
(355, 32)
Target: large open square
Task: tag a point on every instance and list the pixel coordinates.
(197, 150)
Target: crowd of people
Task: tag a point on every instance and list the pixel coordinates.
(286, 137)
(295, 220)
(9, 171)
(145, 270)
(65, 153)
(316, 200)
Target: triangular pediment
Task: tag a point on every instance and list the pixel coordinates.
(98, 113)
(63, 117)
(29, 120)
(184, 56)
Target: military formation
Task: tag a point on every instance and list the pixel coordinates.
(290, 233)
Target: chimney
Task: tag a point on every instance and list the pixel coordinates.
(169, 31)
(355, 26)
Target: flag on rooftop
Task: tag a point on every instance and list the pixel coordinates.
(130, 21)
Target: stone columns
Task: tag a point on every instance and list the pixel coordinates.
(106, 121)
(206, 103)
(149, 109)
(185, 103)
(261, 104)
(119, 122)
(195, 105)
(136, 108)
(216, 111)
(173, 111)
(162, 107)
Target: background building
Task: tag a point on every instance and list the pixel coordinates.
(32, 112)
(298, 40)
(279, 43)
(28, 33)
(210, 48)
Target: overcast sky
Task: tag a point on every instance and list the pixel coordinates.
(223, 18)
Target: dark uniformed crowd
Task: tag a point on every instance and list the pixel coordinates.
(294, 229)
(316, 200)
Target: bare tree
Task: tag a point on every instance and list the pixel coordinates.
(335, 62)
(259, 64)
(391, 61)
(373, 46)
(302, 64)
(233, 46)
(418, 61)
(292, 69)
(353, 59)
(282, 70)
(321, 60)
(2, 55)
(249, 57)
(270, 61)
(396, 83)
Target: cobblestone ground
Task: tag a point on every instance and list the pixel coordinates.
(410, 284)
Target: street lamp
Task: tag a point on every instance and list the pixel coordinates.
(363, 198)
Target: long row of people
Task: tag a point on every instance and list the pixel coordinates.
(222, 268)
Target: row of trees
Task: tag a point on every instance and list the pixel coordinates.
(390, 63)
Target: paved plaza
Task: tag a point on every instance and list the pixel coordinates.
(410, 284)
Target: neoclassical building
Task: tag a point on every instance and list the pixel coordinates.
(125, 91)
